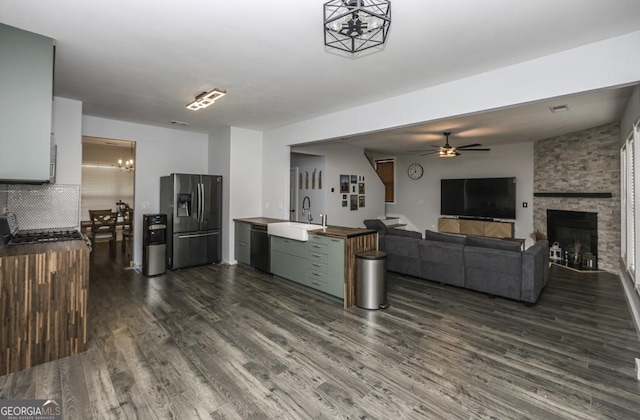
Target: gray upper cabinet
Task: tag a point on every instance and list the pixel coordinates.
(26, 94)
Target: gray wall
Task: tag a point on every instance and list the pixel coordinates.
(584, 161)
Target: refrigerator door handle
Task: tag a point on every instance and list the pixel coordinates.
(198, 235)
(199, 193)
(201, 202)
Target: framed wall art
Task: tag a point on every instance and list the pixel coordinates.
(344, 184)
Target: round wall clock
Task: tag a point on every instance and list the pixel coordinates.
(415, 171)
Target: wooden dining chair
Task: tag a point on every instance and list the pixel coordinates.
(103, 227)
(127, 228)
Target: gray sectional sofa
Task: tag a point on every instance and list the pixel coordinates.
(488, 265)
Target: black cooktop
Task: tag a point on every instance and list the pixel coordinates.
(31, 237)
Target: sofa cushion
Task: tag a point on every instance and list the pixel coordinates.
(402, 254)
(401, 245)
(404, 232)
(493, 271)
(493, 243)
(442, 261)
(444, 237)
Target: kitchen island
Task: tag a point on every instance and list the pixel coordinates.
(43, 301)
(326, 262)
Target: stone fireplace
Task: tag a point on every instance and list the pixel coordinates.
(569, 228)
(580, 172)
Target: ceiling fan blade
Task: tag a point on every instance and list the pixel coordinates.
(469, 145)
(475, 150)
(429, 153)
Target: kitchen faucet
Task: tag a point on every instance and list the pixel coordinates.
(306, 207)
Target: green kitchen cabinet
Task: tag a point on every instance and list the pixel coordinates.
(243, 243)
(317, 263)
(335, 283)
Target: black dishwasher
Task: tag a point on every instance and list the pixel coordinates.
(260, 249)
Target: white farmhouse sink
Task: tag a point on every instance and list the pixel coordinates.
(292, 230)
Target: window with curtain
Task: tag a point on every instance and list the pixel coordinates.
(385, 170)
(629, 216)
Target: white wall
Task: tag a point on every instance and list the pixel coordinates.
(236, 154)
(631, 115)
(419, 200)
(306, 164)
(345, 159)
(612, 62)
(159, 151)
(67, 130)
(220, 164)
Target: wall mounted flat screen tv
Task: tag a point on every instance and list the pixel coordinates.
(490, 198)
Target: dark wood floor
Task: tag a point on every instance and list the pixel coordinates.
(226, 342)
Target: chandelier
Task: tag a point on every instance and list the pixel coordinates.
(127, 165)
(356, 25)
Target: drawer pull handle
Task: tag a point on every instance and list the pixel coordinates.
(316, 265)
(316, 255)
(315, 283)
(316, 274)
(317, 246)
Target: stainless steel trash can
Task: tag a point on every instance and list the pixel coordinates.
(371, 282)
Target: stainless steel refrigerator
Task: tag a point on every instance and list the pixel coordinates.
(193, 205)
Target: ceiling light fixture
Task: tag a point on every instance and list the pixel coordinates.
(356, 25)
(206, 99)
(448, 153)
(127, 166)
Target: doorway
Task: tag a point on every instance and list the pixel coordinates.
(108, 183)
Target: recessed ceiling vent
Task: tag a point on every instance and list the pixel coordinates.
(179, 123)
(559, 108)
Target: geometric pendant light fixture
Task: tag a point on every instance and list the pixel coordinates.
(206, 99)
(356, 25)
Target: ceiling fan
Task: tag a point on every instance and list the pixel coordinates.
(447, 150)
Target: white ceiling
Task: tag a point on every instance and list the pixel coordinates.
(143, 60)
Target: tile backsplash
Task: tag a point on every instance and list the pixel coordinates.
(49, 206)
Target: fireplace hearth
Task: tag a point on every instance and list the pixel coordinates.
(576, 233)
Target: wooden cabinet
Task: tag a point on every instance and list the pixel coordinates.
(317, 263)
(476, 227)
(26, 87)
(43, 300)
(243, 242)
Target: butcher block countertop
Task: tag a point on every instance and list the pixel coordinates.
(332, 231)
(259, 221)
